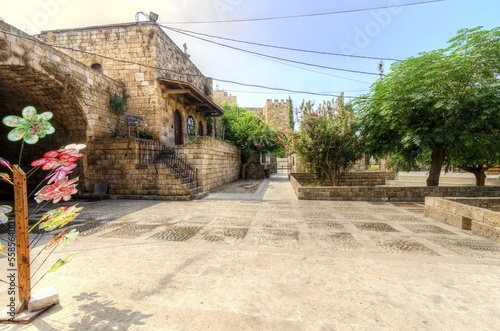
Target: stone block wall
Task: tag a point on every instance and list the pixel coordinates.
(116, 162)
(388, 193)
(277, 113)
(217, 162)
(464, 213)
(370, 178)
(221, 96)
(255, 171)
(149, 48)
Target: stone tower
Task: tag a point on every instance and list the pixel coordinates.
(277, 113)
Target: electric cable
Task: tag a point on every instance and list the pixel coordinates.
(304, 15)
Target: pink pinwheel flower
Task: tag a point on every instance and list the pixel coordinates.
(61, 189)
(55, 159)
(60, 173)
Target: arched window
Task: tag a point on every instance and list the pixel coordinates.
(97, 67)
(190, 126)
(200, 128)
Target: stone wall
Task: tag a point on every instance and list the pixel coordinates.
(116, 162)
(221, 96)
(464, 213)
(370, 178)
(217, 162)
(255, 171)
(277, 113)
(388, 193)
(32, 73)
(133, 54)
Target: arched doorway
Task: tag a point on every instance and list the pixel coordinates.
(178, 128)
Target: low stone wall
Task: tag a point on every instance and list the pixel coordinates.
(255, 171)
(368, 178)
(116, 163)
(218, 162)
(387, 193)
(465, 214)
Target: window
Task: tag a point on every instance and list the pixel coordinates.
(190, 126)
(97, 67)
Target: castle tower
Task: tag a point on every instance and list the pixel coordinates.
(277, 113)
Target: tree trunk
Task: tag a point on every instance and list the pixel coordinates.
(437, 160)
(479, 173)
(244, 169)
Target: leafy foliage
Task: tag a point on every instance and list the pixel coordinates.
(443, 104)
(249, 132)
(327, 142)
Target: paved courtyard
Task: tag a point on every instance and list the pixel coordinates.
(267, 261)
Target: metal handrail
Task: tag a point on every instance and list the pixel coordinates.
(154, 152)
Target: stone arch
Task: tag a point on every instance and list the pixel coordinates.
(35, 74)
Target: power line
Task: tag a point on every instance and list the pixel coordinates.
(256, 92)
(282, 47)
(315, 71)
(303, 15)
(271, 56)
(187, 74)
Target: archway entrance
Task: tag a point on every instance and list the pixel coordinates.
(178, 128)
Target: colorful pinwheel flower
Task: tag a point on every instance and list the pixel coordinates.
(4, 209)
(62, 238)
(69, 237)
(65, 157)
(5, 177)
(60, 263)
(61, 189)
(58, 217)
(5, 163)
(31, 127)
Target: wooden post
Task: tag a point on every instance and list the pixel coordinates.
(22, 236)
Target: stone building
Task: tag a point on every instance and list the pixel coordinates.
(91, 78)
(275, 112)
(221, 96)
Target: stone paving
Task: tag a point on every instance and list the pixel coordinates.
(319, 227)
(267, 261)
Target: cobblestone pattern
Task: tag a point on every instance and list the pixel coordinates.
(358, 228)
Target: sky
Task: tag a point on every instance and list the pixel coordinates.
(382, 29)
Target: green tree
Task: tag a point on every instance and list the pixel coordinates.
(327, 142)
(249, 132)
(441, 108)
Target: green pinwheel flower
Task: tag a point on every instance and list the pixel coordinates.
(30, 127)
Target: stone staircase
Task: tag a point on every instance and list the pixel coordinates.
(182, 170)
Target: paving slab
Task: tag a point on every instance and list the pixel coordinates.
(268, 261)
